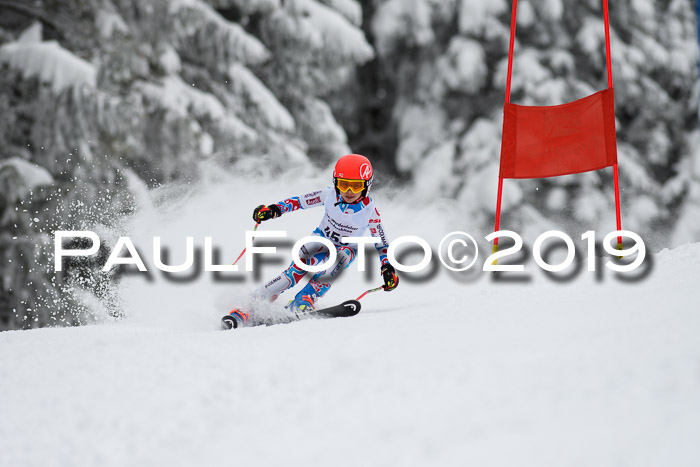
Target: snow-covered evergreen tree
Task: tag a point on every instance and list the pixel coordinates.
(102, 99)
(105, 98)
(315, 45)
(449, 63)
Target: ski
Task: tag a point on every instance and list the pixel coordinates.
(237, 318)
(344, 310)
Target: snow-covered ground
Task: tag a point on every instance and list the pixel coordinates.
(446, 371)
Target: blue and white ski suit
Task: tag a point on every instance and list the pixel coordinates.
(339, 220)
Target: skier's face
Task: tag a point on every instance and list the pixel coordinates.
(349, 196)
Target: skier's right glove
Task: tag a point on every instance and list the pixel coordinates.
(391, 280)
(263, 213)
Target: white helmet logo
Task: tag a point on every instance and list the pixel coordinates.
(365, 171)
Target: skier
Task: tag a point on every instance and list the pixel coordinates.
(349, 212)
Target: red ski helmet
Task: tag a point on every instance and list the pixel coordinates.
(354, 167)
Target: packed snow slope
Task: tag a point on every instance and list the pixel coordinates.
(451, 370)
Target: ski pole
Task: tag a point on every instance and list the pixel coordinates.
(377, 289)
(244, 249)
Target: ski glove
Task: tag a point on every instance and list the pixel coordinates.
(263, 213)
(391, 280)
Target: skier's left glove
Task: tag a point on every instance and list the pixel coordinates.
(391, 280)
(263, 213)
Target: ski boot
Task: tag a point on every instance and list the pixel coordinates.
(302, 304)
(235, 319)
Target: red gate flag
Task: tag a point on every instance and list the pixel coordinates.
(565, 139)
(558, 140)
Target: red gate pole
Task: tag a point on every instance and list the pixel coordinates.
(498, 214)
(608, 58)
(508, 80)
(510, 49)
(606, 17)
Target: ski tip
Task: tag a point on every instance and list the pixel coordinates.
(352, 307)
(229, 322)
(235, 319)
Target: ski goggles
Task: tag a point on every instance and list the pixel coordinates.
(356, 186)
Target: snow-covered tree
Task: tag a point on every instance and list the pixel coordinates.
(315, 45)
(448, 61)
(106, 98)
